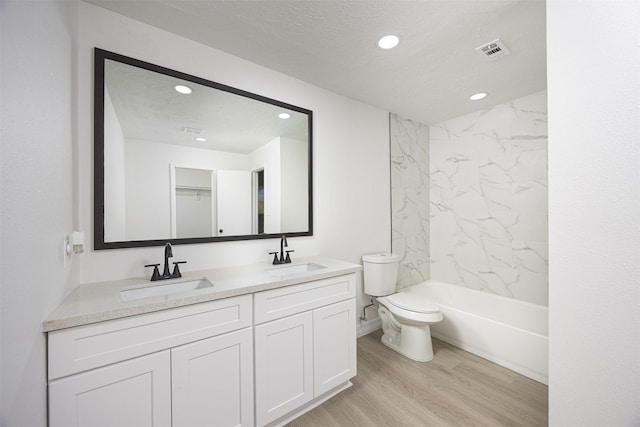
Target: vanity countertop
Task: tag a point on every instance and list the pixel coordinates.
(97, 302)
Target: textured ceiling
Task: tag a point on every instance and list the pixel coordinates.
(149, 109)
(332, 44)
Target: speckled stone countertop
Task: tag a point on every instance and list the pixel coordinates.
(97, 302)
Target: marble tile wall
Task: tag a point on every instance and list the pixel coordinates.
(410, 198)
(488, 200)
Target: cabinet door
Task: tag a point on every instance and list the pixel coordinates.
(334, 344)
(284, 366)
(212, 381)
(135, 393)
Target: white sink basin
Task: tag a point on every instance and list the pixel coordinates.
(294, 269)
(164, 288)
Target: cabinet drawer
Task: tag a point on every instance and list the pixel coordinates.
(281, 302)
(87, 347)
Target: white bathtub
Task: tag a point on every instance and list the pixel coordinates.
(509, 332)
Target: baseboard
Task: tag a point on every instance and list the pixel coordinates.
(368, 327)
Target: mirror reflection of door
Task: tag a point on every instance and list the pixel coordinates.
(193, 203)
(258, 201)
(234, 202)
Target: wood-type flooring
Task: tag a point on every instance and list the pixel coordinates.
(456, 388)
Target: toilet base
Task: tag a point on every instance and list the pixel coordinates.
(412, 341)
(418, 347)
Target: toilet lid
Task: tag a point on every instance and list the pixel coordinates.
(413, 302)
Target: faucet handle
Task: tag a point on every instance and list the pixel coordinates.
(275, 257)
(176, 270)
(288, 258)
(156, 273)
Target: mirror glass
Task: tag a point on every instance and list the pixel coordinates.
(182, 159)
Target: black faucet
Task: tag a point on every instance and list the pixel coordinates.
(282, 259)
(168, 253)
(166, 274)
(283, 244)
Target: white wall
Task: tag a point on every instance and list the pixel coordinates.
(594, 212)
(37, 103)
(351, 191)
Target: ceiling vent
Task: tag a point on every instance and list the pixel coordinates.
(194, 131)
(493, 50)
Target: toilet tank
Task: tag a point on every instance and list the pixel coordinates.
(380, 274)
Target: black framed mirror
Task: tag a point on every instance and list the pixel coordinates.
(182, 159)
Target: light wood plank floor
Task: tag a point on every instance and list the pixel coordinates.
(456, 388)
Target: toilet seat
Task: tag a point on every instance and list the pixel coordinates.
(411, 308)
(413, 302)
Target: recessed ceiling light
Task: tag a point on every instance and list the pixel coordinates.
(201, 139)
(478, 96)
(183, 89)
(284, 115)
(388, 42)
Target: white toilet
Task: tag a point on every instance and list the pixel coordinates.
(405, 317)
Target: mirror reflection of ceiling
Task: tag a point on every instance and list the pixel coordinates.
(332, 44)
(150, 109)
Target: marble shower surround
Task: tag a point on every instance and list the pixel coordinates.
(488, 200)
(410, 198)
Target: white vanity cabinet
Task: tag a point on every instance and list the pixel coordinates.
(132, 393)
(259, 348)
(305, 345)
(178, 367)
